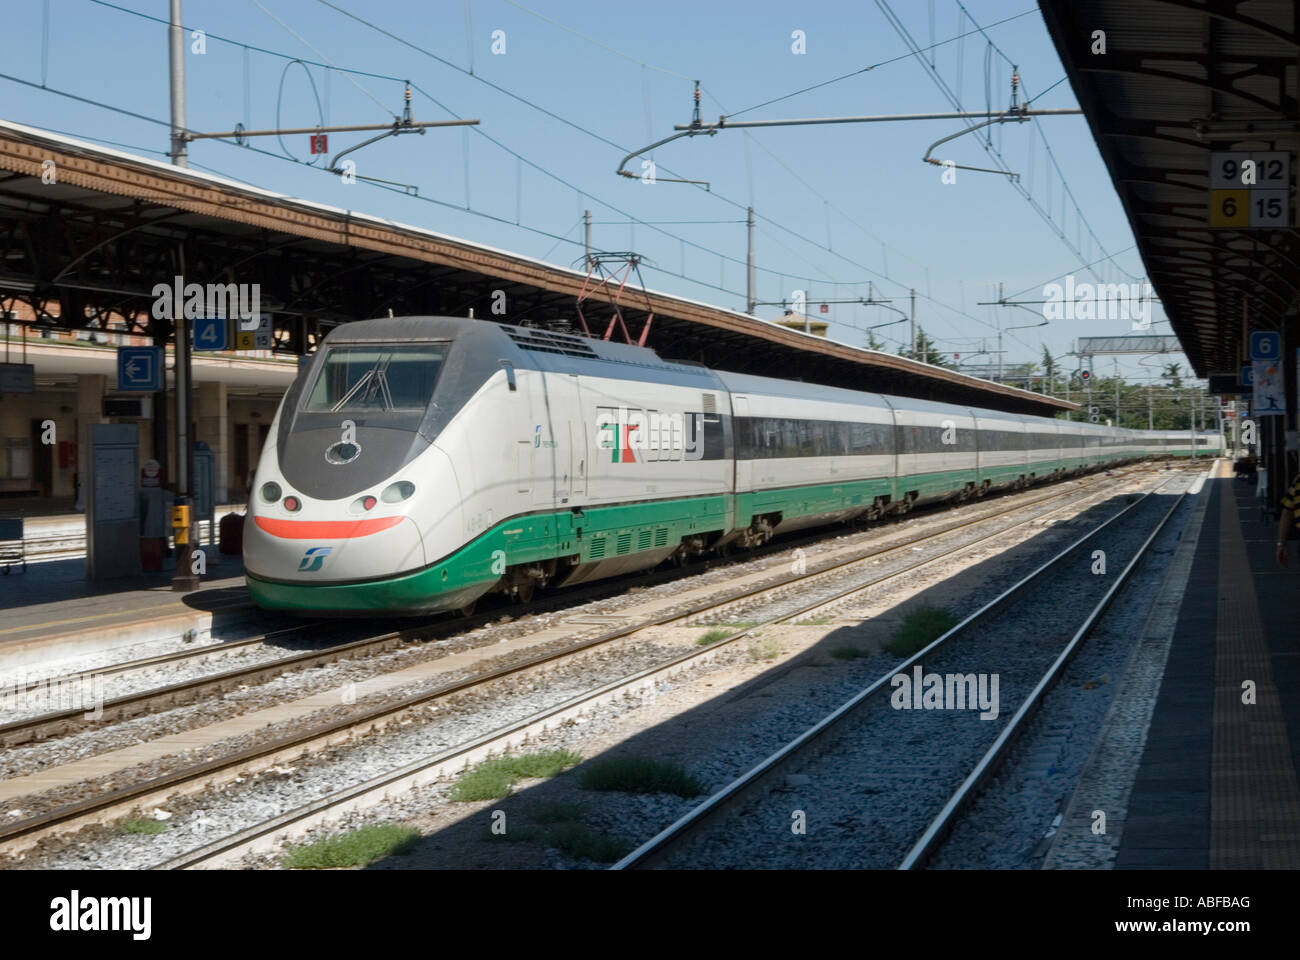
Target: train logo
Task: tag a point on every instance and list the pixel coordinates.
(313, 559)
(631, 434)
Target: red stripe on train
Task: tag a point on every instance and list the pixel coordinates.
(324, 529)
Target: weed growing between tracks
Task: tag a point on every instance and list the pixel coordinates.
(849, 653)
(634, 774)
(353, 849)
(492, 779)
(144, 825)
(724, 630)
(919, 629)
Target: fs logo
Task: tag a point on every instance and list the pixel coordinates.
(311, 560)
(634, 435)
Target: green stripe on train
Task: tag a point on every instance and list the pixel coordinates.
(601, 532)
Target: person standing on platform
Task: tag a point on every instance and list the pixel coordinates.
(1290, 505)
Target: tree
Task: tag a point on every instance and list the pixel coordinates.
(873, 341)
(927, 351)
(1172, 375)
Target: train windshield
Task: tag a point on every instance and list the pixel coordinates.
(377, 378)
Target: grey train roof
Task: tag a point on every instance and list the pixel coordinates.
(538, 349)
(534, 349)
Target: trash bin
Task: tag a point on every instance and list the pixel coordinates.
(230, 534)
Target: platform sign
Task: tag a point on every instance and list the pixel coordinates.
(139, 369)
(1230, 208)
(1269, 208)
(1250, 189)
(320, 143)
(254, 334)
(210, 333)
(1265, 345)
(1247, 378)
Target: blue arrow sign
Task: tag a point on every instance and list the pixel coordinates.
(209, 333)
(139, 368)
(1265, 345)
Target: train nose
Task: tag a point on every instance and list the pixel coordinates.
(324, 551)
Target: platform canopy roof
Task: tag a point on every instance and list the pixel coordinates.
(112, 225)
(1178, 80)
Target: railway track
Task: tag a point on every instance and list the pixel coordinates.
(266, 835)
(195, 777)
(155, 699)
(826, 744)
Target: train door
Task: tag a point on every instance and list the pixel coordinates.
(545, 466)
(742, 440)
(579, 453)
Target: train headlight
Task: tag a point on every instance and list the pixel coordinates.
(397, 492)
(270, 492)
(292, 504)
(362, 504)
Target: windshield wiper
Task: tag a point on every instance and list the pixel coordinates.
(361, 382)
(375, 382)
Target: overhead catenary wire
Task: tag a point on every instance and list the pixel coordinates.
(1045, 215)
(468, 206)
(545, 111)
(299, 37)
(866, 69)
(390, 188)
(591, 133)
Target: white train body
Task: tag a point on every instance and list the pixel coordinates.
(418, 463)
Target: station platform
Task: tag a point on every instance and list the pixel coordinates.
(1216, 782)
(52, 612)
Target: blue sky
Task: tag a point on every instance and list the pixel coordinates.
(839, 206)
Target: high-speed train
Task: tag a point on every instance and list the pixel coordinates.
(418, 463)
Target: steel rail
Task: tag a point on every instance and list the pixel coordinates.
(187, 691)
(943, 823)
(427, 770)
(671, 837)
(24, 833)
